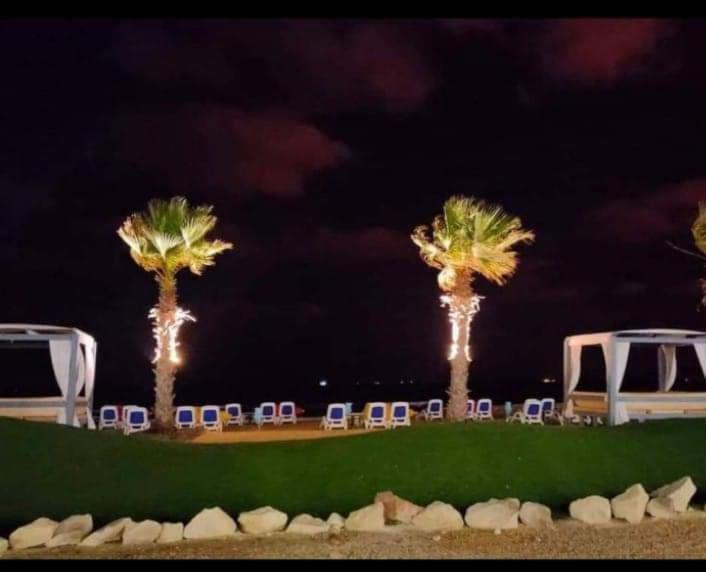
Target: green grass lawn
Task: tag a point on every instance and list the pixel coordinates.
(51, 470)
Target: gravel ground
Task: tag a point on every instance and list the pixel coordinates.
(684, 537)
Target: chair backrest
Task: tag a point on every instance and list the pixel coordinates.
(470, 407)
(286, 408)
(185, 414)
(349, 408)
(336, 411)
(532, 408)
(376, 410)
(126, 409)
(400, 410)
(136, 415)
(234, 409)
(109, 413)
(210, 413)
(548, 405)
(268, 409)
(435, 406)
(484, 405)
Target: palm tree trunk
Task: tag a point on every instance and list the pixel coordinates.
(460, 314)
(164, 371)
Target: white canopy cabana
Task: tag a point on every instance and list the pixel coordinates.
(620, 407)
(73, 358)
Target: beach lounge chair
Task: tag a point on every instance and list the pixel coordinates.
(123, 413)
(108, 417)
(400, 414)
(484, 410)
(335, 417)
(235, 414)
(185, 417)
(376, 416)
(470, 409)
(136, 420)
(211, 418)
(434, 410)
(549, 410)
(268, 413)
(531, 413)
(287, 412)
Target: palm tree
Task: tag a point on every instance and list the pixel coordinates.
(168, 237)
(699, 231)
(470, 237)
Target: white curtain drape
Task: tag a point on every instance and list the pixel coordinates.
(574, 367)
(701, 354)
(667, 359)
(90, 374)
(60, 352)
(616, 363)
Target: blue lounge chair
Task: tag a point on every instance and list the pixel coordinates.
(185, 417)
(376, 416)
(470, 409)
(268, 412)
(400, 414)
(211, 418)
(434, 410)
(335, 417)
(531, 413)
(484, 410)
(235, 414)
(137, 420)
(108, 417)
(287, 412)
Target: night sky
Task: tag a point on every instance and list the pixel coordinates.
(321, 145)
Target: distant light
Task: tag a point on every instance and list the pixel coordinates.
(401, 381)
(376, 382)
(323, 383)
(549, 380)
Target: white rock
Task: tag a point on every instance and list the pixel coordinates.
(71, 531)
(438, 516)
(335, 522)
(111, 532)
(661, 507)
(307, 524)
(171, 532)
(536, 515)
(210, 523)
(368, 518)
(262, 520)
(144, 532)
(679, 491)
(493, 515)
(397, 509)
(591, 510)
(36, 533)
(3, 545)
(630, 505)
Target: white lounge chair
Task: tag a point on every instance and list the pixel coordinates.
(268, 413)
(211, 418)
(287, 412)
(136, 420)
(400, 414)
(549, 410)
(335, 417)
(531, 413)
(484, 410)
(185, 417)
(470, 409)
(376, 416)
(123, 417)
(235, 414)
(434, 410)
(108, 417)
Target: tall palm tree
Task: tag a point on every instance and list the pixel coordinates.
(168, 237)
(470, 237)
(699, 231)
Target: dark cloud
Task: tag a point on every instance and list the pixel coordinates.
(601, 51)
(648, 217)
(228, 149)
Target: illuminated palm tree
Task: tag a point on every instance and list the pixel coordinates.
(699, 231)
(168, 237)
(470, 237)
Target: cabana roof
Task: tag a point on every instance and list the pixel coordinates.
(41, 332)
(649, 336)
